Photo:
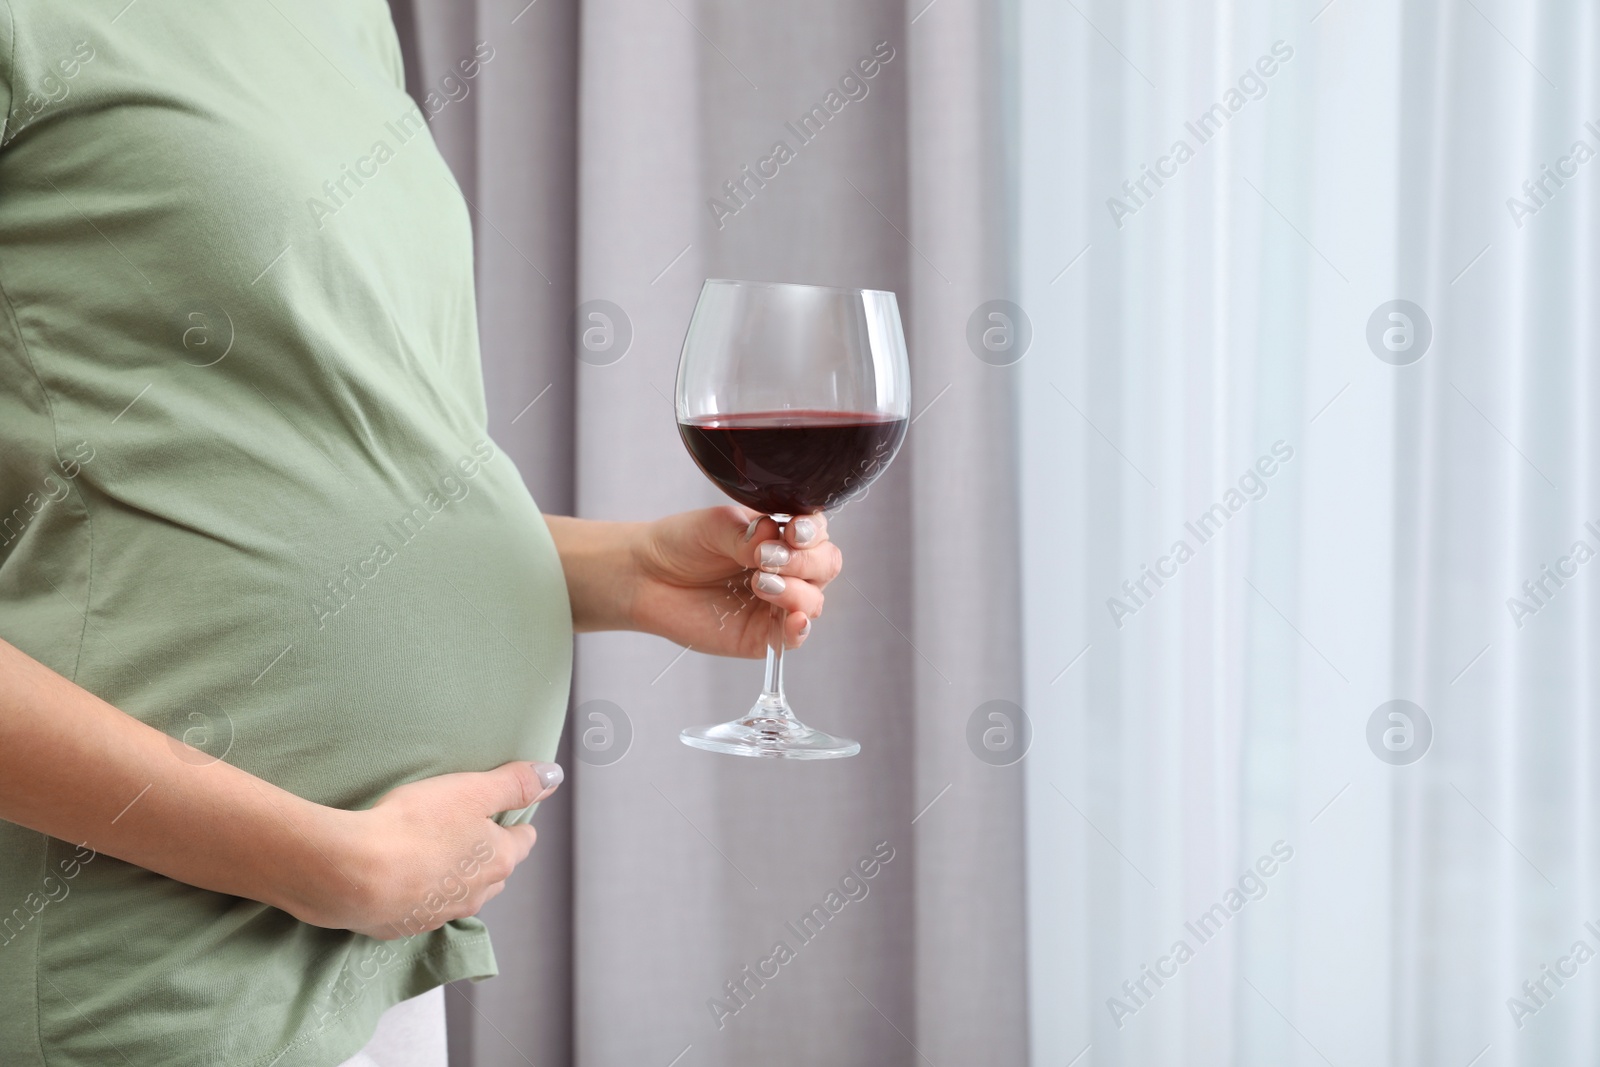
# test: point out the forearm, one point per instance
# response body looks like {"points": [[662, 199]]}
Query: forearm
{"points": [[601, 567], [76, 768]]}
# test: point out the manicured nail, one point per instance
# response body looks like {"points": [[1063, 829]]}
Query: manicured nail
{"points": [[805, 531], [805, 628], [750, 531], [774, 554], [550, 774], [769, 584]]}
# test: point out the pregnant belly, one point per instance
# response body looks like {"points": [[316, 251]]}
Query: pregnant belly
{"points": [[445, 645], [397, 636]]}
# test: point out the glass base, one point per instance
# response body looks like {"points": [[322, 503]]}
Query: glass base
{"points": [[770, 730]]}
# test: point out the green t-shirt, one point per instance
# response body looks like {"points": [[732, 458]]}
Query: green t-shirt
{"points": [[246, 495]]}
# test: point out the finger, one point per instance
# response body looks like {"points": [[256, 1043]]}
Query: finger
{"points": [[742, 534], [509, 848], [513, 786], [807, 531], [819, 565], [517, 842], [756, 527], [489, 894], [796, 628], [790, 594]]}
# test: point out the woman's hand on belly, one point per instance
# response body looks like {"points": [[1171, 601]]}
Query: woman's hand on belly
{"points": [[700, 578], [77, 768], [426, 853]]}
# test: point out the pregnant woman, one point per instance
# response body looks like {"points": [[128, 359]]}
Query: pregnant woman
{"points": [[285, 644]]}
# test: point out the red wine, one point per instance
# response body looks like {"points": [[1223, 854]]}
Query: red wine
{"points": [[793, 462]]}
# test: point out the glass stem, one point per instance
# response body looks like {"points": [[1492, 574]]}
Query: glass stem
{"points": [[772, 697], [772, 690]]}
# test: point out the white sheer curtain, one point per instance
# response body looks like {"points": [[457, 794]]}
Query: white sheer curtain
{"points": [[1187, 724]]}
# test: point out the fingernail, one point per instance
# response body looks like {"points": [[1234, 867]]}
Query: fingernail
{"points": [[774, 554], [550, 774], [769, 584], [750, 531], [805, 628], [805, 531]]}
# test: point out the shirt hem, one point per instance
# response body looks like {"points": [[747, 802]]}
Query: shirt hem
{"points": [[328, 1044]]}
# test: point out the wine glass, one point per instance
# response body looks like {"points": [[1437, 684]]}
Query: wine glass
{"points": [[792, 399]]}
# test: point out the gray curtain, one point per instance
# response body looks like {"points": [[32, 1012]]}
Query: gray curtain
{"points": [[589, 147]]}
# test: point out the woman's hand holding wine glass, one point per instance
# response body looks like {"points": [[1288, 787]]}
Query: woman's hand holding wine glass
{"points": [[704, 575], [695, 578]]}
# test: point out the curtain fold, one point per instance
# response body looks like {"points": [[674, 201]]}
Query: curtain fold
{"points": [[608, 150], [964, 539]]}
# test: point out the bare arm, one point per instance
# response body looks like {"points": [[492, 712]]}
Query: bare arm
{"points": [[76, 768], [598, 560], [701, 578]]}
